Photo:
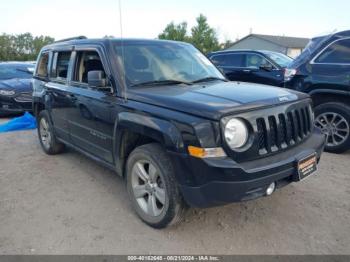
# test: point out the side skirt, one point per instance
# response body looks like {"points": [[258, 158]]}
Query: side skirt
{"points": [[91, 156]]}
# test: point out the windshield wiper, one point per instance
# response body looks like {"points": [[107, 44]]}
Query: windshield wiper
{"points": [[207, 79], [161, 82]]}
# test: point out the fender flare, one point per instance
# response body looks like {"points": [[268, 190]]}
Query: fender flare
{"points": [[160, 130]]}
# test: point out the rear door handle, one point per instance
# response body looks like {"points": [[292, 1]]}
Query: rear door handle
{"points": [[72, 97], [247, 70]]}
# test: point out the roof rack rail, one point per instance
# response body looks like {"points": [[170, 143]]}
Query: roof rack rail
{"points": [[71, 38]]}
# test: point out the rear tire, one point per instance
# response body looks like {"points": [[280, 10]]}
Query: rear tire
{"points": [[152, 187], [47, 138], [334, 121]]}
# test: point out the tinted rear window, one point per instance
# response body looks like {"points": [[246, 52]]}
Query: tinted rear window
{"points": [[234, 60], [338, 53]]}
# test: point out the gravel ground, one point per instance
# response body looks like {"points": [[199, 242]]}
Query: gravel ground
{"points": [[68, 204]]}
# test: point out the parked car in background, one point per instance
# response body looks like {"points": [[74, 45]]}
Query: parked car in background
{"points": [[264, 67], [323, 71], [162, 116], [15, 87]]}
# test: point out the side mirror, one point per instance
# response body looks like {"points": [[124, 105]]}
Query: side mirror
{"points": [[96, 79], [266, 67]]}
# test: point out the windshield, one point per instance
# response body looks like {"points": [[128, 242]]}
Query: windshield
{"points": [[147, 62], [16, 71], [280, 59]]}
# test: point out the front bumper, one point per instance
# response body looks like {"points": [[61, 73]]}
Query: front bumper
{"points": [[221, 181], [8, 106]]}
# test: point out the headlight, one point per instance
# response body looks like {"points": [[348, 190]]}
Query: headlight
{"points": [[236, 133], [7, 92]]}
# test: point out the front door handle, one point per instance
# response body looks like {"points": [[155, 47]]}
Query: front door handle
{"points": [[247, 70]]}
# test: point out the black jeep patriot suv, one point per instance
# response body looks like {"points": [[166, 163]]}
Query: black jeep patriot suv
{"points": [[161, 115]]}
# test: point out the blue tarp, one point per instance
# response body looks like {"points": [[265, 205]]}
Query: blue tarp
{"points": [[25, 122]]}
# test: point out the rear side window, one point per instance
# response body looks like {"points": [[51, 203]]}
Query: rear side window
{"points": [[232, 60], [42, 68], [60, 65], [336, 53], [218, 60]]}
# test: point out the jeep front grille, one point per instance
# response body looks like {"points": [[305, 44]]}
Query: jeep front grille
{"points": [[279, 131]]}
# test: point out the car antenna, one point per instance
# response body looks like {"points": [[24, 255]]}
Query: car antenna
{"points": [[123, 84]]}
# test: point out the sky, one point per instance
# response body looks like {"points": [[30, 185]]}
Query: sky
{"points": [[232, 19]]}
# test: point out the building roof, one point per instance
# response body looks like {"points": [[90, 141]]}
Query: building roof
{"points": [[285, 41]]}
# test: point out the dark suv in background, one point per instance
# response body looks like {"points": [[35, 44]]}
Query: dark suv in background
{"points": [[162, 116], [264, 67], [323, 71]]}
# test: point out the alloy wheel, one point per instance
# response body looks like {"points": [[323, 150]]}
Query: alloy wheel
{"points": [[148, 188], [45, 134], [334, 126]]}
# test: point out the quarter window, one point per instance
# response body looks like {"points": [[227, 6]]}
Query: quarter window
{"points": [[42, 69], [336, 53]]}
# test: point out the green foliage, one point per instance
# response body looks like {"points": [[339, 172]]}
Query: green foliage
{"points": [[202, 35], [22, 47], [227, 44], [175, 32]]}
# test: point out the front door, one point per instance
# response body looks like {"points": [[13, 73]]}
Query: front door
{"points": [[259, 70], [90, 119]]}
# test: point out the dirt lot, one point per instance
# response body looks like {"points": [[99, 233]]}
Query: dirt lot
{"points": [[69, 204]]}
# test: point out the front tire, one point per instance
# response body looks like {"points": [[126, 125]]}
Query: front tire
{"points": [[47, 138], [152, 187], [334, 120]]}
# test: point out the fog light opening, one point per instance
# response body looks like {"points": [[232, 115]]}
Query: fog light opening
{"points": [[271, 188]]}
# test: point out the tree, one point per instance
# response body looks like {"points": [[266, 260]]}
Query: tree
{"points": [[203, 36], [22, 47], [39, 42], [175, 32], [227, 44], [6, 52]]}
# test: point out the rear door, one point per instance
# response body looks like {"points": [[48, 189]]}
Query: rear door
{"points": [[231, 64], [331, 67], [57, 97]]}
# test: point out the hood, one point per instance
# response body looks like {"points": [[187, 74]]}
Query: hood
{"points": [[215, 99], [18, 85]]}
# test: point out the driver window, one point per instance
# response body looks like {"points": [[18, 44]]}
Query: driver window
{"points": [[85, 62], [256, 61]]}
